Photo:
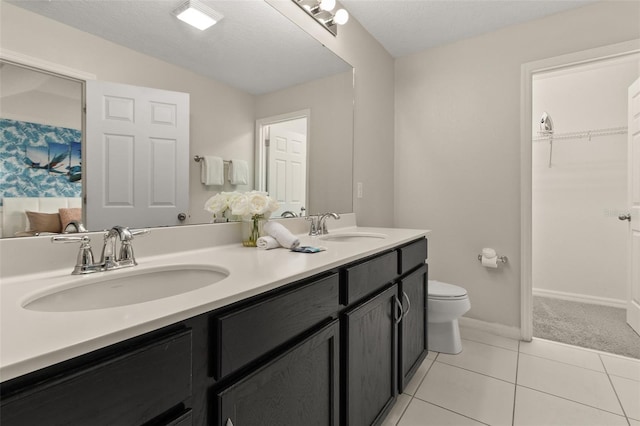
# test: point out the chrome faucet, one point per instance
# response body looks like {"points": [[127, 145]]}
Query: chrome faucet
{"points": [[322, 222], [109, 259], [318, 224]]}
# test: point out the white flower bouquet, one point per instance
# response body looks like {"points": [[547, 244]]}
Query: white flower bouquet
{"points": [[254, 206]]}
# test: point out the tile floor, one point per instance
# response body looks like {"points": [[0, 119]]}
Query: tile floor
{"points": [[500, 381]]}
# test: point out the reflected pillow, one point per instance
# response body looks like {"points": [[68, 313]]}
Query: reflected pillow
{"points": [[73, 214], [44, 222]]}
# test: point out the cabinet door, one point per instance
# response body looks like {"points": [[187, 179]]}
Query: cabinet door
{"points": [[413, 327], [370, 339], [300, 387]]}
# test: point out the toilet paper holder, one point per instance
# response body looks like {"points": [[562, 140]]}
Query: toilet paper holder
{"points": [[502, 259]]}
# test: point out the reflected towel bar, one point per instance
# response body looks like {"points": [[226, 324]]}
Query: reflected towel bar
{"points": [[197, 159]]}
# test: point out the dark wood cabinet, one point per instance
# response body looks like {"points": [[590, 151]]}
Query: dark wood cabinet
{"points": [[370, 351], [300, 387], [128, 389], [412, 291], [333, 349]]}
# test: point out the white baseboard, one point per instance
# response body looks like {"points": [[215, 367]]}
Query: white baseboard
{"points": [[582, 298], [491, 327]]}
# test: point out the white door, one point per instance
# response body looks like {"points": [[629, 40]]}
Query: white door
{"points": [[137, 142], [633, 307], [287, 169]]}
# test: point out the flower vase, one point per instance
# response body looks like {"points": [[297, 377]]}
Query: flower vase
{"points": [[252, 229]]}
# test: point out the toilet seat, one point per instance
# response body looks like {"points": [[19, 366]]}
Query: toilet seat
{"points": [[443, 291]]}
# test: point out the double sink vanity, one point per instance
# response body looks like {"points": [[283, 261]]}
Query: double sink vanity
{"points": [[204, 331]]}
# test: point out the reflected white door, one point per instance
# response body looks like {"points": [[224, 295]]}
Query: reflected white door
{"points": [[137, 142], [287, 169], [633, 307]]}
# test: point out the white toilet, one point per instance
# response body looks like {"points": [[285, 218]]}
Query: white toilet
{"points": [[445, 304]]}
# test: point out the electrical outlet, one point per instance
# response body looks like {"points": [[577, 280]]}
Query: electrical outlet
{"points": [[359, 190]]}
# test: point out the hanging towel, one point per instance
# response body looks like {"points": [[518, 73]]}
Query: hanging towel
{"points": [[212, 170], [284, 237], [239, 172]]}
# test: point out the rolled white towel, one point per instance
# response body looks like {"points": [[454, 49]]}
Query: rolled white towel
{"points": [[285, 238], [267, 243]]}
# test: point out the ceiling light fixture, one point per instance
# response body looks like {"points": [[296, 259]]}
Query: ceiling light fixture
{"points": [[197, 14], [321, 11]]}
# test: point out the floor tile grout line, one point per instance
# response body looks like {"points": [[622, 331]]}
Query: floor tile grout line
{"points": [[563, 362], [451, 411], [412, 396], [476, 372], [515, 389], [604, 365], [489, 344], [573, 400], [614, 390]]}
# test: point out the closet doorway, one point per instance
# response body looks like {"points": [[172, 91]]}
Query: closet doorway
{"points": [[578, 181]]}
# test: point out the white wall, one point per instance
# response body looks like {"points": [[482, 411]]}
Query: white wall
{"points": [[35, 97], [373, 121], [457, 151], [579, 245], [330, 139]]}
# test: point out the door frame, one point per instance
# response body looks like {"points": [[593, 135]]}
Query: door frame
{"points": [[527, 72], [261, 123]]}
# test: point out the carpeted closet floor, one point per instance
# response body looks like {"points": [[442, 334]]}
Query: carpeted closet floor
{"points": [[589, 326]]}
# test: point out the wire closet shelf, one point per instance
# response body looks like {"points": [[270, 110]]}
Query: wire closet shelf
{"points": [[584, 134]]}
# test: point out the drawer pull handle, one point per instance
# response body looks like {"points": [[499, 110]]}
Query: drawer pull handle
{"points": [[404, 295], [399, 305]]}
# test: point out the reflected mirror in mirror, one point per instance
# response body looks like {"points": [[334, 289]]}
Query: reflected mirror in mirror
{"points": [[40, 150], [253, 65]]}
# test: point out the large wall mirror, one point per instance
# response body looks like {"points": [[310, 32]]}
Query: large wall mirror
{"points": [[255, 66]]}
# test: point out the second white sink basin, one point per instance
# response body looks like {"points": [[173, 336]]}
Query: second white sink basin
{"points": [[113, 288], [353, 236]]}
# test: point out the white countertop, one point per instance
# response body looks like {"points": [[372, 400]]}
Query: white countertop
{"points": [[31, 340]]}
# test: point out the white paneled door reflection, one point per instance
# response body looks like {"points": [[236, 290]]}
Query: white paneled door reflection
{"points": [[287, 168], [137, 145]]}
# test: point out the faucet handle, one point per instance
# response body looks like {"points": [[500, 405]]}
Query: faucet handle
{"points": [[84, 262], [126, 249], [313, 227], [139, 232]]}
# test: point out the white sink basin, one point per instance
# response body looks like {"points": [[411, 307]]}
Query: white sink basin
{"points": [[353, 236], [116, 288]]}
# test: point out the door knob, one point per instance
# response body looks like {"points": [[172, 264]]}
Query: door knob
{"points": [[625, 217]]}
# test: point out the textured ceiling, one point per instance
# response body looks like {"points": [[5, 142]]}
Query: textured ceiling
{"points": [[258, 50], [254, 48], [404, 27]]}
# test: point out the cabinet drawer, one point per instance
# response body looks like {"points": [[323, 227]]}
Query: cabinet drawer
{"points": [[412, 255], [250, 332], [128, 389], [367, 277]]}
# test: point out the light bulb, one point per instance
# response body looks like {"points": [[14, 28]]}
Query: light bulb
{"points": [[327, 5], [341, 17]]}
